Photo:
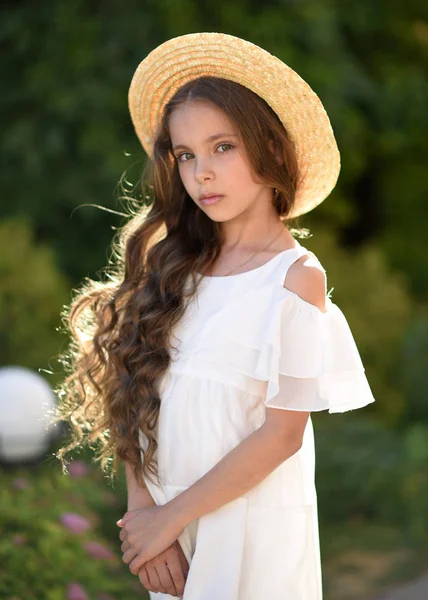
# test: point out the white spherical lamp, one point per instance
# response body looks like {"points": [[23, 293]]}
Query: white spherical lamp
{"points": [[26, 405]]}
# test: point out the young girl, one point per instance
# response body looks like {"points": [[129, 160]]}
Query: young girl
{"points": [[199, 361]]}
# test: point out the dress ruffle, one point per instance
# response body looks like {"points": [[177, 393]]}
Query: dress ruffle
{"points": [[309, 358]]}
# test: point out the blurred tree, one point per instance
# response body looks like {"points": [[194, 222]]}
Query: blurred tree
{"points": [[66, 128], [32, 293]]}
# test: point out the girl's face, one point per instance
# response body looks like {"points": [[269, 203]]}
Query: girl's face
{"points": [[211, 159]]}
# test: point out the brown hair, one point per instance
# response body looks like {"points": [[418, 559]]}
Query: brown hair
{"points": [[121, 328]]}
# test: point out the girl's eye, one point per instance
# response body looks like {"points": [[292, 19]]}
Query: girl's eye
{"points": [[224, 144], [180, 155], [184, 153]]}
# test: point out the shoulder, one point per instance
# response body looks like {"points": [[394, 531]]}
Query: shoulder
{"points": [[307, 278]]}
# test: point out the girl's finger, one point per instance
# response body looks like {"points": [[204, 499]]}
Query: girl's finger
{"points": [[154, 581], [171, 577], [144, 577], [129, 555]]}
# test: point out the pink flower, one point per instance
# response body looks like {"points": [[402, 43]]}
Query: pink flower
{"points": [[20, 483], [19, 539], [78, 468], [74, 523], [98, 551], [76, 592]]}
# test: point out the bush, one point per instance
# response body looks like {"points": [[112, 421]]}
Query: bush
{"points": [[357, 465], [368, 473], [59, 538], [32, 293], [414, 370]]}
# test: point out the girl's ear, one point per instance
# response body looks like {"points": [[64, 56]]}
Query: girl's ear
{"points": [[275, 152]]}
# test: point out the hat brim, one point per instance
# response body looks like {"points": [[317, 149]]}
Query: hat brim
{"points": [[187, 57]]}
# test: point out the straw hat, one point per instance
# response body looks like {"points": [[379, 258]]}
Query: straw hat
{"points": [[187, 57]]}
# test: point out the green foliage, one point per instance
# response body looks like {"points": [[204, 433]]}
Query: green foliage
{"points": [[32, 293], [66, 127], [414, 370], [63, 130], [368, 473], [40, 557], [414, 480]]}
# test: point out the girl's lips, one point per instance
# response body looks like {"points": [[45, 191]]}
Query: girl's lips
{"points": [[211, 200]]}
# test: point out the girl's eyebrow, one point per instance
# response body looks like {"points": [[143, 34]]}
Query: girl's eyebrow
{"points": [[209, 139]]}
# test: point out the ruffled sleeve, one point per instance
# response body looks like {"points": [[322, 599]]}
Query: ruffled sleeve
{"points": [[314, 363], [308, 358]]}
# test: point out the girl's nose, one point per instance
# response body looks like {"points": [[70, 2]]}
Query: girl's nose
{"points": [[203, 170]]}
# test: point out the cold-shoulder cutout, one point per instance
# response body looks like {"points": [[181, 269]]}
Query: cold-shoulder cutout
{"points": [[315, 362], [307, 279]]}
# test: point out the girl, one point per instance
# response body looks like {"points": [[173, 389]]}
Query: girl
{"points": [[199, 361]]}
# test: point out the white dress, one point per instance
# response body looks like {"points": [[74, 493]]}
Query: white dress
{"points": [[246, 343]]}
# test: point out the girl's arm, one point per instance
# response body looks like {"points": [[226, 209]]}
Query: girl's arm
{"points": [[155, 528], [243, 468], [137, 497]]}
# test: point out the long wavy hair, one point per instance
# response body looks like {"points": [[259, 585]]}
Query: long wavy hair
{"points": [[120, 327]]}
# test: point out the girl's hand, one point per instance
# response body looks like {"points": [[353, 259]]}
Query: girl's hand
{"points": [[148, 532], [166, 573]]}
